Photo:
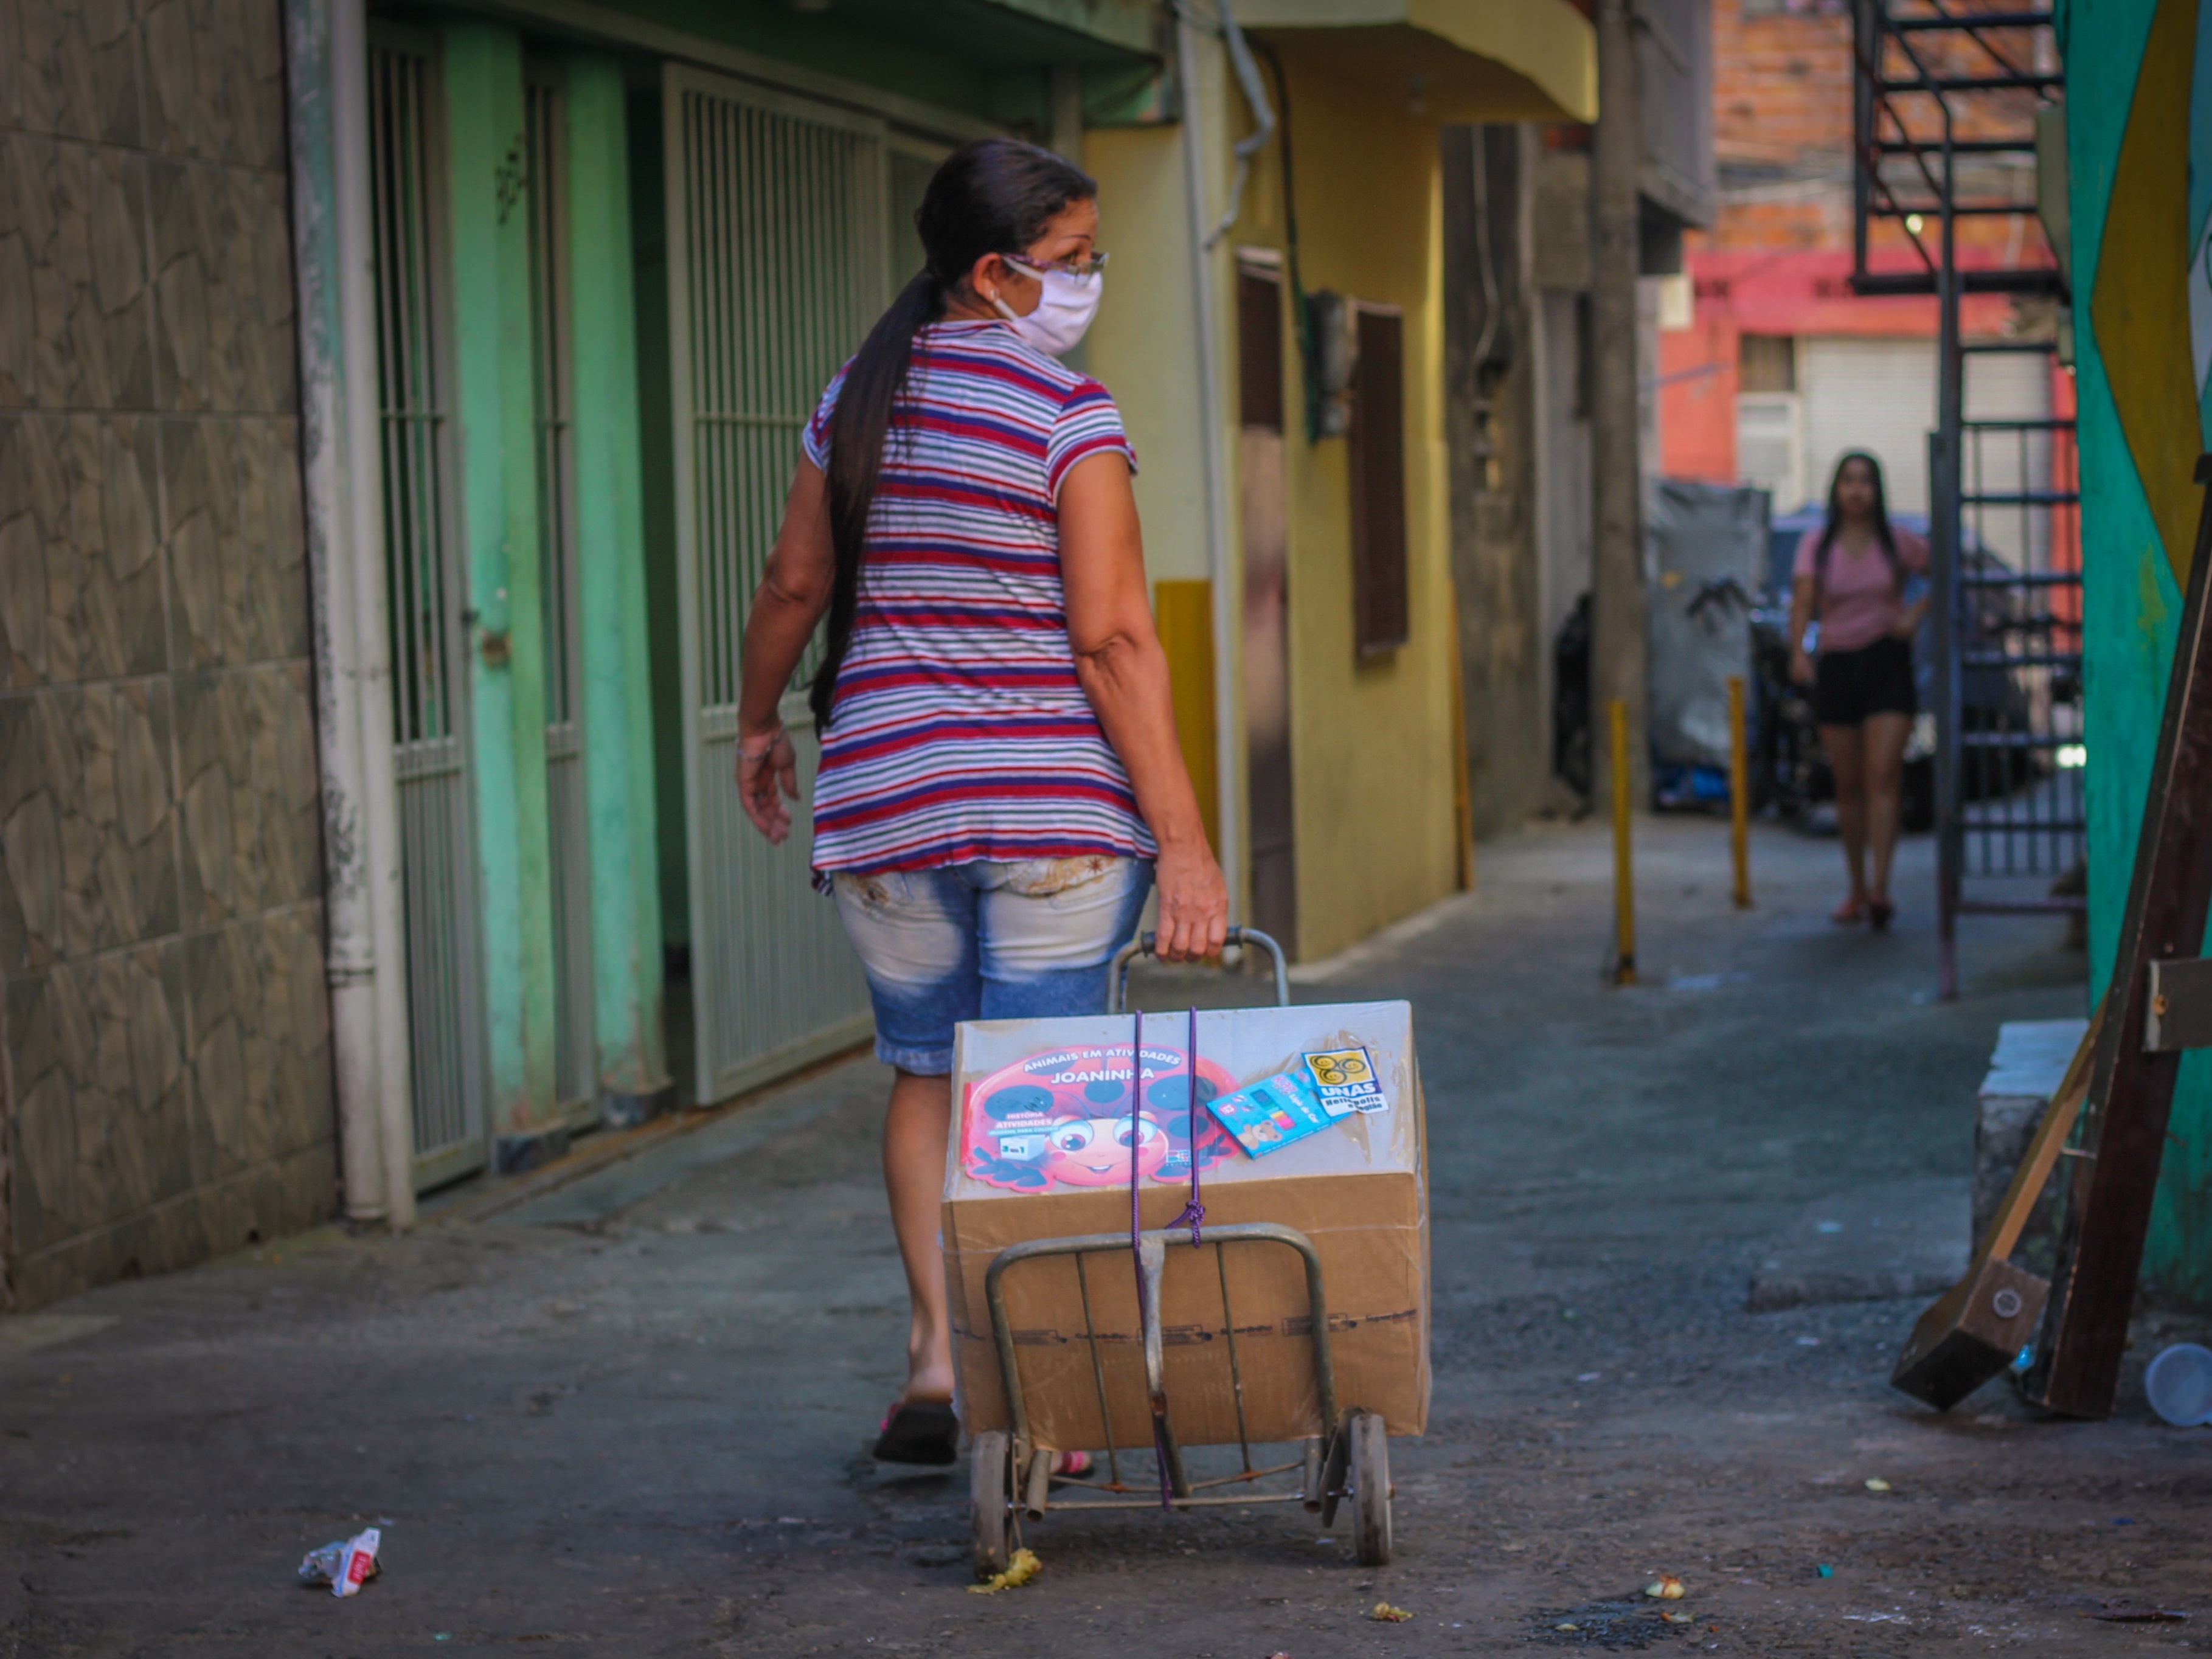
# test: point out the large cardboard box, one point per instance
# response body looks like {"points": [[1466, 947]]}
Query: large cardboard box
{"points": [[1041, 1149]]}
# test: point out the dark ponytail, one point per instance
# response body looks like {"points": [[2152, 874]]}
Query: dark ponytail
{"points": [[994, 196]]}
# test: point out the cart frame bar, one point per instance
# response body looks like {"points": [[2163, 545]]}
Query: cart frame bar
{"points": [[1151, 1260]]}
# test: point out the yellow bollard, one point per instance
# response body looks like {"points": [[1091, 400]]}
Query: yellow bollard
{"points": [[1739, 793], [1624, 877]]}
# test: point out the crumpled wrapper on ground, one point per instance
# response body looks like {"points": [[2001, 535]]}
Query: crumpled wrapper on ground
{"points": [[345, 1564]]}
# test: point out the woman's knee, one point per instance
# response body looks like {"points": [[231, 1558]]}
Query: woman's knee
{"points": [[1883, 757]]}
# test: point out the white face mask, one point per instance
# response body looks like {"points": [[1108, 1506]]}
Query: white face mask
{"points": [[1063, 313]]}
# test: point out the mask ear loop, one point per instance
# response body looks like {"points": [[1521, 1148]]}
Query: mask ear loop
{"points": [[999, 304]]}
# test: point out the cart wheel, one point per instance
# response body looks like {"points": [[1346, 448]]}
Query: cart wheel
{"points": [[990, 1500], [1370, 1489]]}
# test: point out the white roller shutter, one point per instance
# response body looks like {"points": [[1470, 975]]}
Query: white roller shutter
{"points": [[1769, 445], [1875, 395], [1879, 396]]}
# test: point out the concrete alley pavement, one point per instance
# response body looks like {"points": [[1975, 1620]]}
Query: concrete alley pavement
{"points": [[631, 1418]]}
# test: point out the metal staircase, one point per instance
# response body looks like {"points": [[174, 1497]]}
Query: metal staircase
{"points": [[1948, 94]]}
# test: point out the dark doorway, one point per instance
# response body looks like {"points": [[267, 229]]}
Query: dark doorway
{"points": [[1268, 796]]}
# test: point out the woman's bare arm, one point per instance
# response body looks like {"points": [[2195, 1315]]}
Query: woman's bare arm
{"points": [[794, 592], [1124, 674], [1909, 620]]}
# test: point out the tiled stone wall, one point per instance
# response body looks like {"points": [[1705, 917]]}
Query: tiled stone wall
{"points": [[166, 1031]]}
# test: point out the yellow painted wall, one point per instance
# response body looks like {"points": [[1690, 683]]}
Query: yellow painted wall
{"points": [[1372, 745], [1184, 611], [1145, 340], [1144, 348], [1371, 740]]}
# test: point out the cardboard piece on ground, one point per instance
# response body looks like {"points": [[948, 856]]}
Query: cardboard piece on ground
{"points": [[1041, 1150]]}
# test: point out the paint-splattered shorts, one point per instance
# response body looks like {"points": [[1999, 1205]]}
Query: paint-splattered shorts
{"points": [[1025, 940]]}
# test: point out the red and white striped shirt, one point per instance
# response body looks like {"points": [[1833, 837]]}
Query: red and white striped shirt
{"points": [[959, 730]]}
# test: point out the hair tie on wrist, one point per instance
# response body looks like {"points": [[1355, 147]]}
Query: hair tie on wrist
{"points": [[746, 751]]}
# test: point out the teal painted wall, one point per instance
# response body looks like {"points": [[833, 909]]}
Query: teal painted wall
{"points": [[498, 514], [2131, 602], [821, 41], [617, 692]]}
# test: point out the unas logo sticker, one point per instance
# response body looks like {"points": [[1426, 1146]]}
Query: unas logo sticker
{"points": [[1345, 1081]]}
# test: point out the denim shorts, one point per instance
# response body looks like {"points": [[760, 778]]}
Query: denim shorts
{"points": [[1024, 940]]}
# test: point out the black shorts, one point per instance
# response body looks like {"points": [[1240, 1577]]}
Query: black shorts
{"points": [[1874, 679]]}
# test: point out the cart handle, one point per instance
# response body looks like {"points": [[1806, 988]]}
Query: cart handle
{"points": [[1147, 944]]}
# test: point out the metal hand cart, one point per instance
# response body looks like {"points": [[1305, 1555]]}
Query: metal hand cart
{"points": [[1011, 1478]]}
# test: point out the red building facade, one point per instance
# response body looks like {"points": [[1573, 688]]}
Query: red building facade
{"points": [[1781, 365]]}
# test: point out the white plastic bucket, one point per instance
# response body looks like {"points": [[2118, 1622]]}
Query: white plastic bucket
{"points": [[2179, 1384]]}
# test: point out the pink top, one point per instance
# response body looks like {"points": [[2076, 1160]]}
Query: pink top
{"points": [[1859, 598]]}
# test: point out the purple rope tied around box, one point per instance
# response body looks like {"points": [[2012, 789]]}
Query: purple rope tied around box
{"points": [[1136, 1108], [1193, 1212], [1137, 1228]]}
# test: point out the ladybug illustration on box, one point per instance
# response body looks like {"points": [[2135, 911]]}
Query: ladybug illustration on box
{"points": [[1066, 1118]]}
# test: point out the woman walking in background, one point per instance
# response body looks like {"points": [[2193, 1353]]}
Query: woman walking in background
{"points": [[1001, 785], [1850, 577]]}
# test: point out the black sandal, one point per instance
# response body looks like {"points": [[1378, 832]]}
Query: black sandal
{"points": [[919, 1431]]}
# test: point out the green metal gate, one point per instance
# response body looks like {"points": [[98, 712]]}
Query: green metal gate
{"points": [[425, 591], [913, 164], [575, 1056], [777, 269]]}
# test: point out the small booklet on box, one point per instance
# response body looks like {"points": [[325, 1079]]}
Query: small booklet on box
{"points": [[1325, 1088], [1268, 1115]]}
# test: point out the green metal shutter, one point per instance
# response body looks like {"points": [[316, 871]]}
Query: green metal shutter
{"points": [[777, 265], [913, 164], [576, 1055], [425, 589]]}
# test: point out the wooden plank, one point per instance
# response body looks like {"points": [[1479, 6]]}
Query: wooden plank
{"points": [[2085, 1324], [1973, 1331]]}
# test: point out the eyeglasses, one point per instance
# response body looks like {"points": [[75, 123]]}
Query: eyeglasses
{"points": [[1076, 268]]}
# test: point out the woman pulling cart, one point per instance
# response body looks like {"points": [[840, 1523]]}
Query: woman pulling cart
{"points": [[1000, 785]]}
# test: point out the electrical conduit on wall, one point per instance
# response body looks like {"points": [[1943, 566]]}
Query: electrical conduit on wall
{"points": [[1212, 416]]}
